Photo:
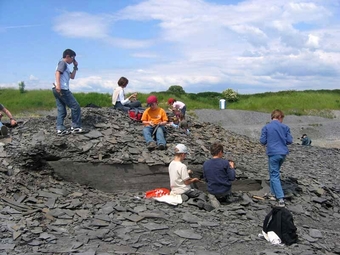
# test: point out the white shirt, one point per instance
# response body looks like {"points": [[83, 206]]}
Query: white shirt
{"points": [[178, 173]]}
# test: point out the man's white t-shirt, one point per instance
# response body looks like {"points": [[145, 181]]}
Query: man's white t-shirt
{"points": [[178, 173]]}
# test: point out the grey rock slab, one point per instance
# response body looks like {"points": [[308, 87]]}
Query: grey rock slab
{"points": [[93, 134], [188, 234], [309, 238], [154, 226], [315, 233], [99, 223]]}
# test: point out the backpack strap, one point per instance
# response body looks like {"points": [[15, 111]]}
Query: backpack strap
{"points": [[266, 220]]}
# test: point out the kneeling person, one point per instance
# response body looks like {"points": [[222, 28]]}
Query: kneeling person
{"points": [[219, 174]]}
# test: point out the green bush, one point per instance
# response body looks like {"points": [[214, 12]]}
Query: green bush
{"points": [[176, 89], [22, 87], [230, 95]]}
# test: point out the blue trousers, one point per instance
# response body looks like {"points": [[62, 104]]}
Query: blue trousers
{"points": [[274, 163], [63, 99], [160, 134]]}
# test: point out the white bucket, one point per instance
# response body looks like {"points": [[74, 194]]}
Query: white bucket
{"points": [[222, 104]]}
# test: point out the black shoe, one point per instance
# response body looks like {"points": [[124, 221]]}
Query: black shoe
{"points": [[151, 145], [161, 147], [4, 131]]}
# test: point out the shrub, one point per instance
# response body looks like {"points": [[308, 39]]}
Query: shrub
{"points": [[230, 95], [176, 89], [21, 87]]}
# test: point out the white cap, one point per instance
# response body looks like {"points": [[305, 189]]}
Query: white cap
{"points": [[181, 148]]}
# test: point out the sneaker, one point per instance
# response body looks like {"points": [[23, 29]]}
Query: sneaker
{"points": [[151, 145], [63, 132], [270, 196], [281, 203], [76, 130], [161, 147], [4, 131]]}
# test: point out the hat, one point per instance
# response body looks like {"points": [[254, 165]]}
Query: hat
{"points": [[181, 148], [171, 101], [151, 99]]}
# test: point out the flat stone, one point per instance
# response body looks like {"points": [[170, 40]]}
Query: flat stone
{"points": [[315, 233], [188, 234], [154, 226]]}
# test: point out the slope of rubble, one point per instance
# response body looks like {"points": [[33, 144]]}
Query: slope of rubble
{"points": [[44, 212]]}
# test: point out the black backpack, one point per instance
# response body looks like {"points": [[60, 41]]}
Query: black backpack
{"points": [[280, 220]]}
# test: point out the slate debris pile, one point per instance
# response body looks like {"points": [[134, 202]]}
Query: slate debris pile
{"points": [[42, 214]]}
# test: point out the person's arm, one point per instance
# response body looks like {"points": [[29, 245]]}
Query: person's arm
{"points": [[289, 137], [191, 180], [75, 69], [164, 118], [10, 116], [263, 138], [57, 81], [231, 171]]}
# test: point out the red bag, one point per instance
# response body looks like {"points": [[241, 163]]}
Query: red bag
{"points": [[157, 192], [135, 116]]}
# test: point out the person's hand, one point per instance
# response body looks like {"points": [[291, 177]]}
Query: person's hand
{"points": [[75, 63], [231, 164], [190, 171], [195, 180], [13, 122]]}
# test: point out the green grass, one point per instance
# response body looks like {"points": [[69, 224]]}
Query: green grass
{"points": [[308, 102]]}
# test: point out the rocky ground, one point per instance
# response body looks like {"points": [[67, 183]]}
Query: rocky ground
{"points": [[41, 213]]}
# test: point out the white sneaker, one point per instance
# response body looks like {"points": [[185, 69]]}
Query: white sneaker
{"points": [[76, 130], [63, 132]]}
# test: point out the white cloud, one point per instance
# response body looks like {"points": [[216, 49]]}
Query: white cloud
{"points": [[33, 78], [79, 24]]}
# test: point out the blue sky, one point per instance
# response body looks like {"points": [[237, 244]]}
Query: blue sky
{"points": [[251, 46]]}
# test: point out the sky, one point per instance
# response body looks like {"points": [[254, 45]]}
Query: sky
{"points": [[250, 46]]}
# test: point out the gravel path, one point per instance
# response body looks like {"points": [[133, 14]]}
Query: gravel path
{"points": [[324, 132]]}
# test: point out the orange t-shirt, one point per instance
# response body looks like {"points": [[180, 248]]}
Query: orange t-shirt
{"points": [[156, 116]]}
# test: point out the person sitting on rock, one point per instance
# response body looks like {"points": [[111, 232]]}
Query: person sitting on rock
{"points": [[176, 106], [180, 181], [118, 97], [305, 140], [3, 129], [218, 174], [154, 120]]}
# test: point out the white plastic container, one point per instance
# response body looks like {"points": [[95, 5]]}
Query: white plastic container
{"points": [[222, 104]]}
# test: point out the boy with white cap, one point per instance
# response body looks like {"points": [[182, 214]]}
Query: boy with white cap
{"points": [[180, 180]]}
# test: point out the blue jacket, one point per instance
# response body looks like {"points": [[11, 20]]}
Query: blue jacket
{"points": [[276, 136], [218, 175]]}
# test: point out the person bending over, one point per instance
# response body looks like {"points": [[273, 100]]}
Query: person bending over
{"points": [[177, 105], [13, 122]]}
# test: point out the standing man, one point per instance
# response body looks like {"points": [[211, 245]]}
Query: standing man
{"points": [[276, 136], [63, 95], [3, 129], [219, 174]]}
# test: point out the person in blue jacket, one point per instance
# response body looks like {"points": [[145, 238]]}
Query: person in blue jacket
{"points": [[219, 174], [276, 136]]}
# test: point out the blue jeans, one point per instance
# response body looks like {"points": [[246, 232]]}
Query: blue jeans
{"points": [[274, 163], [160, 134], [63, 99]]}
